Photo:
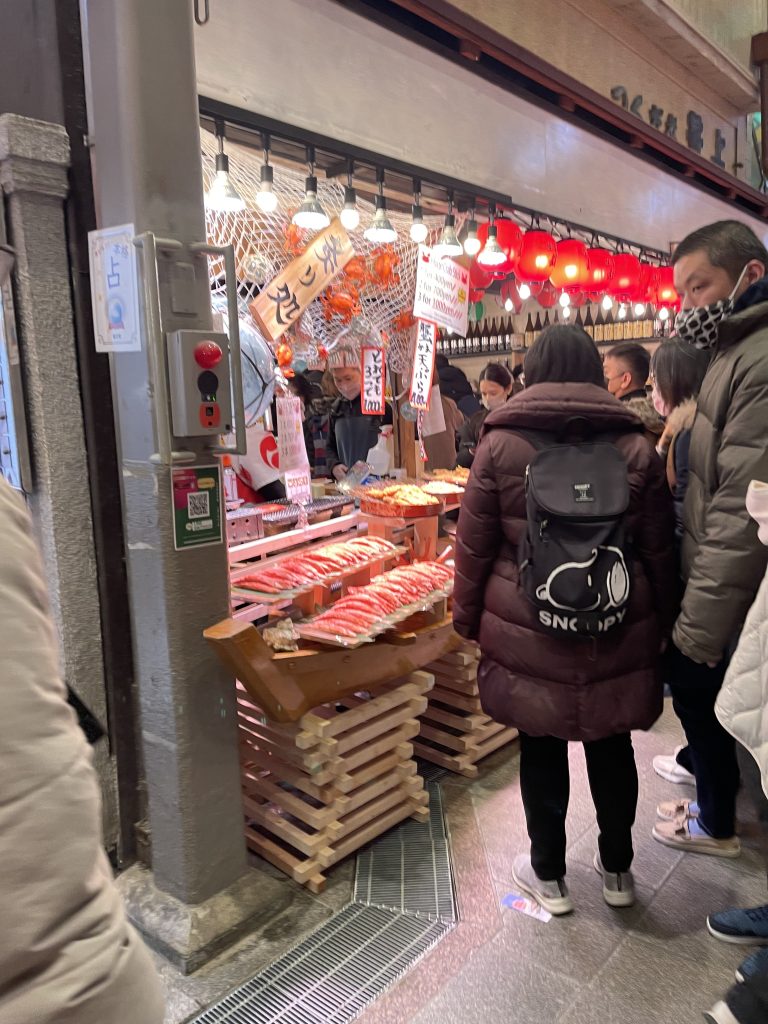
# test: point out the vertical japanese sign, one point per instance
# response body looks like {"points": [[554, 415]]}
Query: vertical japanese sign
{"points": [[423, 365], [373, 373], [294, 463], [283, 300], [114, 289], [196, 506], [442, 292]]}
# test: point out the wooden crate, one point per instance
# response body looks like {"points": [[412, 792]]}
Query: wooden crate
{"points": [[455, 733], [316, 790]]}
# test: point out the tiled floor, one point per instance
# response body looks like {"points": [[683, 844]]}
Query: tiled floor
{"points": [[652, 964]]}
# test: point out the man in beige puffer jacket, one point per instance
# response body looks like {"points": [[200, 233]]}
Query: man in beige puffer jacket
{"points": [[67, 952]]}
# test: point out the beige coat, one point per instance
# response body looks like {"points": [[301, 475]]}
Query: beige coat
{"points": [[67, 952]]}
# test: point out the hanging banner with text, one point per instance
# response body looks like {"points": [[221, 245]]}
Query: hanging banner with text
{"points": [[281, 302], [442, 291], [292, 450], [423, 365], [373, 369]]}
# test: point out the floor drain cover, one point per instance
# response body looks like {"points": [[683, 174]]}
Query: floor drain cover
{"points": [[409, 868], [335, 973]]}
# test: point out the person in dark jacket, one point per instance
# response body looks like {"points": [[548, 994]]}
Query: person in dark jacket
{"points": [[454, 385], [626, 370], [351, 433], [593, 690], [496, 385]]}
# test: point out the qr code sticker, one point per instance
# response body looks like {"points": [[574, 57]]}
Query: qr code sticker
{"points": [[199, 505]]}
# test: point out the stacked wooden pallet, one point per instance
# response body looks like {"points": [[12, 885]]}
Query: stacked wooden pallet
{"points": [[317, 790], [455, 732]]}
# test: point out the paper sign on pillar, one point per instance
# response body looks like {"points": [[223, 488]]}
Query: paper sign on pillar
{"points": [[294, 463]]}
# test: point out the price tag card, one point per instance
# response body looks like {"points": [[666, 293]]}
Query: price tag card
{"points": [[373, 370], [423, 365], [298, 485]]}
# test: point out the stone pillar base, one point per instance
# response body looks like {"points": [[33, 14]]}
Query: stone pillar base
{"points": [[189, 935]]}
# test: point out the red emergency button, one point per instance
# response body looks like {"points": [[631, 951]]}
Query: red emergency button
{"points": [[208, 354]]}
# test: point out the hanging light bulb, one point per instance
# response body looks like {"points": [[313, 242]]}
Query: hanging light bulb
{"points": [[449, 244], [350, 215], [509, 305], [222, 195], [622, 311], [419, 229], [524, 291], [607, 302], [310, 215], [380, 230], [565, 300], [266, 200], [566, 312], [472, 244], [492, 255], [639, 308], [663, 313]]}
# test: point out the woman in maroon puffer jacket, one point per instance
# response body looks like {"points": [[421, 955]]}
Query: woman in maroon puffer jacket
{"points": [[594, 690]]}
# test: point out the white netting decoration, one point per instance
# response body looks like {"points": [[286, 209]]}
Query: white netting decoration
{"points": [[377, 287]]}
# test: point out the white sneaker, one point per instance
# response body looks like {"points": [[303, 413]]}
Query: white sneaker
{"points": [[720, 1014], [553, 896], [668, 768], [618, 889]]}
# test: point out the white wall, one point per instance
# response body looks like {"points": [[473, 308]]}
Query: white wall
{"points": [[314, 64]]}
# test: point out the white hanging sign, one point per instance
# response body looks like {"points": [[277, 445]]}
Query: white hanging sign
{"points": [[373, 370], [423, 365], [442, 291], [114, 289], [290, 435]]}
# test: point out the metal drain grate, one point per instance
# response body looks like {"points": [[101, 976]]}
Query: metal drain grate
{"points": [[409, 868], [334, 974]]}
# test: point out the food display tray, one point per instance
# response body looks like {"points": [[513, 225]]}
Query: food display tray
{"points": [[374, 507], [272, 597], [308, 632]]}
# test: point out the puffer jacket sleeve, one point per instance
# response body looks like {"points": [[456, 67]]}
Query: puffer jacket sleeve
{"points": [[742, 704], [726, 572], [654, 543], [478, 540]]}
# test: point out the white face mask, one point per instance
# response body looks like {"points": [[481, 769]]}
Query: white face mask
{"points": [[757, 506], [494, 403], [699, 325], [659, 404]]}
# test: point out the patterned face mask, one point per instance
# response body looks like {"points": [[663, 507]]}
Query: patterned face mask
{"points": [[699, 326]]}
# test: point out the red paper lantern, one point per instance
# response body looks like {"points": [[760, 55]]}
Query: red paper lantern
{"points": [[666, 293], [626, 276], [549, 296], [479, 277], [476, 294], [600, 263], [577, 298], [649, 283], [538, 254], [510, 238], [570, 269], [509, 293]]}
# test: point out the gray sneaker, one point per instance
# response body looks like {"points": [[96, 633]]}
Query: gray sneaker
{"points": [[553, 896], [618, 889]]}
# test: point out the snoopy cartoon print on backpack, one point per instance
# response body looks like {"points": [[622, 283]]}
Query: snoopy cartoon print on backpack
{"points": [[575, 564]]}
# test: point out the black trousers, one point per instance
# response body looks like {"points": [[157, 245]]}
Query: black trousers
{"points": [[711, 750], [545, 785]]}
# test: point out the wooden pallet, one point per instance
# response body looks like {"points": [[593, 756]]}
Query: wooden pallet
{"points": [[455, 732], [316, 790]]}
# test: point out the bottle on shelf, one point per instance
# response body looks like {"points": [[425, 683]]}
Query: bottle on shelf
{"points": [[537, 327], [599, 327], [493, 337], [528, 336], [637, 326], [579, 320], [608, 328], [589, 324], [556, 319]]}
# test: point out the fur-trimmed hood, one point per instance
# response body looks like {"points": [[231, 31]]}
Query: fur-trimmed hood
{"points": [[682, 417]]}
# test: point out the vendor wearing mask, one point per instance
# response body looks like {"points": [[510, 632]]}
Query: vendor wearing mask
{"points": [[351, 434], [495, 388]]}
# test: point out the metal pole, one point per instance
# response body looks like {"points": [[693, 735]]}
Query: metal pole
{"points": [[143, 127]]}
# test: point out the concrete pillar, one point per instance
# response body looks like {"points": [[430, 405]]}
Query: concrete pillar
{"points": [[142, 103], [34, 157]]}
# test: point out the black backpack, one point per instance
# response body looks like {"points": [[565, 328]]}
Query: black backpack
{"points": [[574, 559]]}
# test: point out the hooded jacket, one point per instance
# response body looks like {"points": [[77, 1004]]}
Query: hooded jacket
{"points": [[574, 688], [742, 704], [67, 952], [454, 385], [723, 561]]}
